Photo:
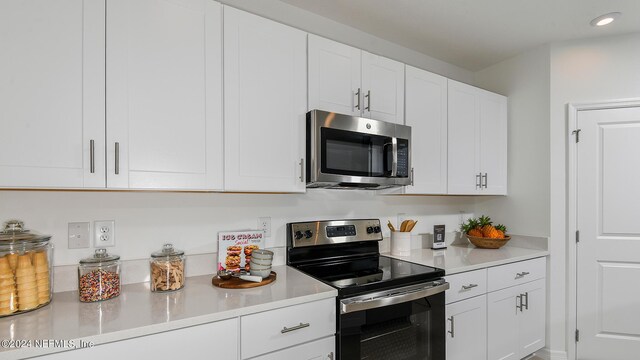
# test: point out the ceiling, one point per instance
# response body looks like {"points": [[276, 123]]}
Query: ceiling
{"points": [[474, 34]]}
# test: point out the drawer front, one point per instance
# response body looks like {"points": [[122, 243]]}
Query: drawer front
{"points": [[318, 350], [466, 285], [277, 329], [504, 276]]}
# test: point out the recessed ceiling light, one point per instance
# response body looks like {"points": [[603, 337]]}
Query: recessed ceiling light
{"points": [[605, 19]]}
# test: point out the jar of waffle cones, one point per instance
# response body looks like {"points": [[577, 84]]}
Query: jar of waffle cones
{"points": [[26, 274], [99, 277], [167, 269]]}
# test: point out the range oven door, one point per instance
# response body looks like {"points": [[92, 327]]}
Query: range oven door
{"points": [[399, 324]]}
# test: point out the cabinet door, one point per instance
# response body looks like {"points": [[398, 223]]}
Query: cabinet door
{"points": [[265, 104], [493, 142], [502, 324], [189, 343], [533, 317], [164, 107], [426, 113], [52, 93], [334, 77], [464, 147], [467, 329], [383, 88], [316, 350]]}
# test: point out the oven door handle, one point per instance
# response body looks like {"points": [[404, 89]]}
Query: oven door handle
{"points": [[381, 301]]}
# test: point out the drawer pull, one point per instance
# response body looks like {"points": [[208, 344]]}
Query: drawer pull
{"points": [[470, 286], [522, 274], [297, 327]]}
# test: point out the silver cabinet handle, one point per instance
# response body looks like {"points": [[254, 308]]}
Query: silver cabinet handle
{"points": [[301, 170], [521, 274], [92, 156], [525, 303], [368, 96], [479, 180], [358, 99], [293, 328], [117, 170], [519, 302], [411, 176], [484, 183], [452, 331], [470, 286]]}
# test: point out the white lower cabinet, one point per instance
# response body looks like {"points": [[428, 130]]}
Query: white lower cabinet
{"points": [[466, 329], [218, 340], [316, 350]]}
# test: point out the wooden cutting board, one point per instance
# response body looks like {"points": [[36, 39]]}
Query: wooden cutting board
{"points": [[236, 283]]}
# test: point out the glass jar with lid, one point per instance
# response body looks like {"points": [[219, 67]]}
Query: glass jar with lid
{"points": [[99, 277], [167, 269], [26, 274]]}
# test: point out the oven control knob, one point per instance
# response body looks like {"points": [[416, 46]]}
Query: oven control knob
{"points": [[308, 234], [377, 229], [298, 235], [369, 229]]}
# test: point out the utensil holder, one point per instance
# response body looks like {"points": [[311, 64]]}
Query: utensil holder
{"points": [[400, 243]]}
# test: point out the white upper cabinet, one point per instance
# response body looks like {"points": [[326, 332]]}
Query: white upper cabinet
{"points": [[265, 104], [334, 77], [426, 113], [164, 94], [347, 80], [477, 141], [52, 94]]}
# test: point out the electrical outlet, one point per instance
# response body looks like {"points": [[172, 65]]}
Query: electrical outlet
{"points": [[264, 223], [79, 237], [104, 233]]}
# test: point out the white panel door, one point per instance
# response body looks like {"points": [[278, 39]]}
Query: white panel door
{"points": [[503, 324], [467, 329], [323, 349], [608, 255], [334, 77], [532, 317], [463, 140], [195, 343], [493, 142], [164, 94], [265, 104], [426, 113], [383, 88], [52, 93]]}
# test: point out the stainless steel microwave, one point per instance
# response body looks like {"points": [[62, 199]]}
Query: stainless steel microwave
{"points": [[348, 152]]}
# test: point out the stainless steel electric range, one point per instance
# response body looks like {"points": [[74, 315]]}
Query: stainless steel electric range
{"points": [[387, 308]]}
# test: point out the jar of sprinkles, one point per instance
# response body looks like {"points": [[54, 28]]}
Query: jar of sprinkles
{"points": [[99, 277]]}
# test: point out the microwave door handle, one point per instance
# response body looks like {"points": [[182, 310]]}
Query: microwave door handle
{"points": [[394, 161]]}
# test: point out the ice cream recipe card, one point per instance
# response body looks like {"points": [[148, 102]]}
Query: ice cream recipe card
{"points": [[235, 247]]}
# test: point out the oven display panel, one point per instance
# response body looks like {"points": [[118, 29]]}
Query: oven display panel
{"points": [[344, 230]]}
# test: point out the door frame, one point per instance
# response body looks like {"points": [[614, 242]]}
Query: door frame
{"points": [[572, 204]]}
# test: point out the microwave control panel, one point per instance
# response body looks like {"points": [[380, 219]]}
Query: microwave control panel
{"points": [[403, 158]]}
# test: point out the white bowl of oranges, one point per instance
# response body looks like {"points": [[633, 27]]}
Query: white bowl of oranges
{"points": [[483, 234]]}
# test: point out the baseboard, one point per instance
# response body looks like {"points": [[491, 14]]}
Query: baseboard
{"points": [[547, 354]]}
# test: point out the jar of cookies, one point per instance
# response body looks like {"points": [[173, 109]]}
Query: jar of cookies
{"points": [[99, 277], [26, 274], [167, 269]]}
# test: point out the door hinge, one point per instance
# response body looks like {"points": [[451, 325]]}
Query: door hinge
{"points": [[577, 335], [577, 236], [577, 134]]}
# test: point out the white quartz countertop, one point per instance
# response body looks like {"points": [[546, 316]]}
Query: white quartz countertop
{"points": [[460, 258], [138, 311]]}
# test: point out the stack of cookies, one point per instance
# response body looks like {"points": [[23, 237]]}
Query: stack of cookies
{"points": [[27, 284], [41, 265], [8, 296]]}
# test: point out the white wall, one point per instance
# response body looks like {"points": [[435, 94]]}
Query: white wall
{"points": [[146, 220], [316, 24], [592, 70], [525, 80]]}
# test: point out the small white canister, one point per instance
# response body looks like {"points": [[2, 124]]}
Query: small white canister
{"points": [[400, 243]]}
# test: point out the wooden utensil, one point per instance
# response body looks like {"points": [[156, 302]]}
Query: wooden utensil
{"points": [[390, 225], [403, 226], [412, 225]]}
